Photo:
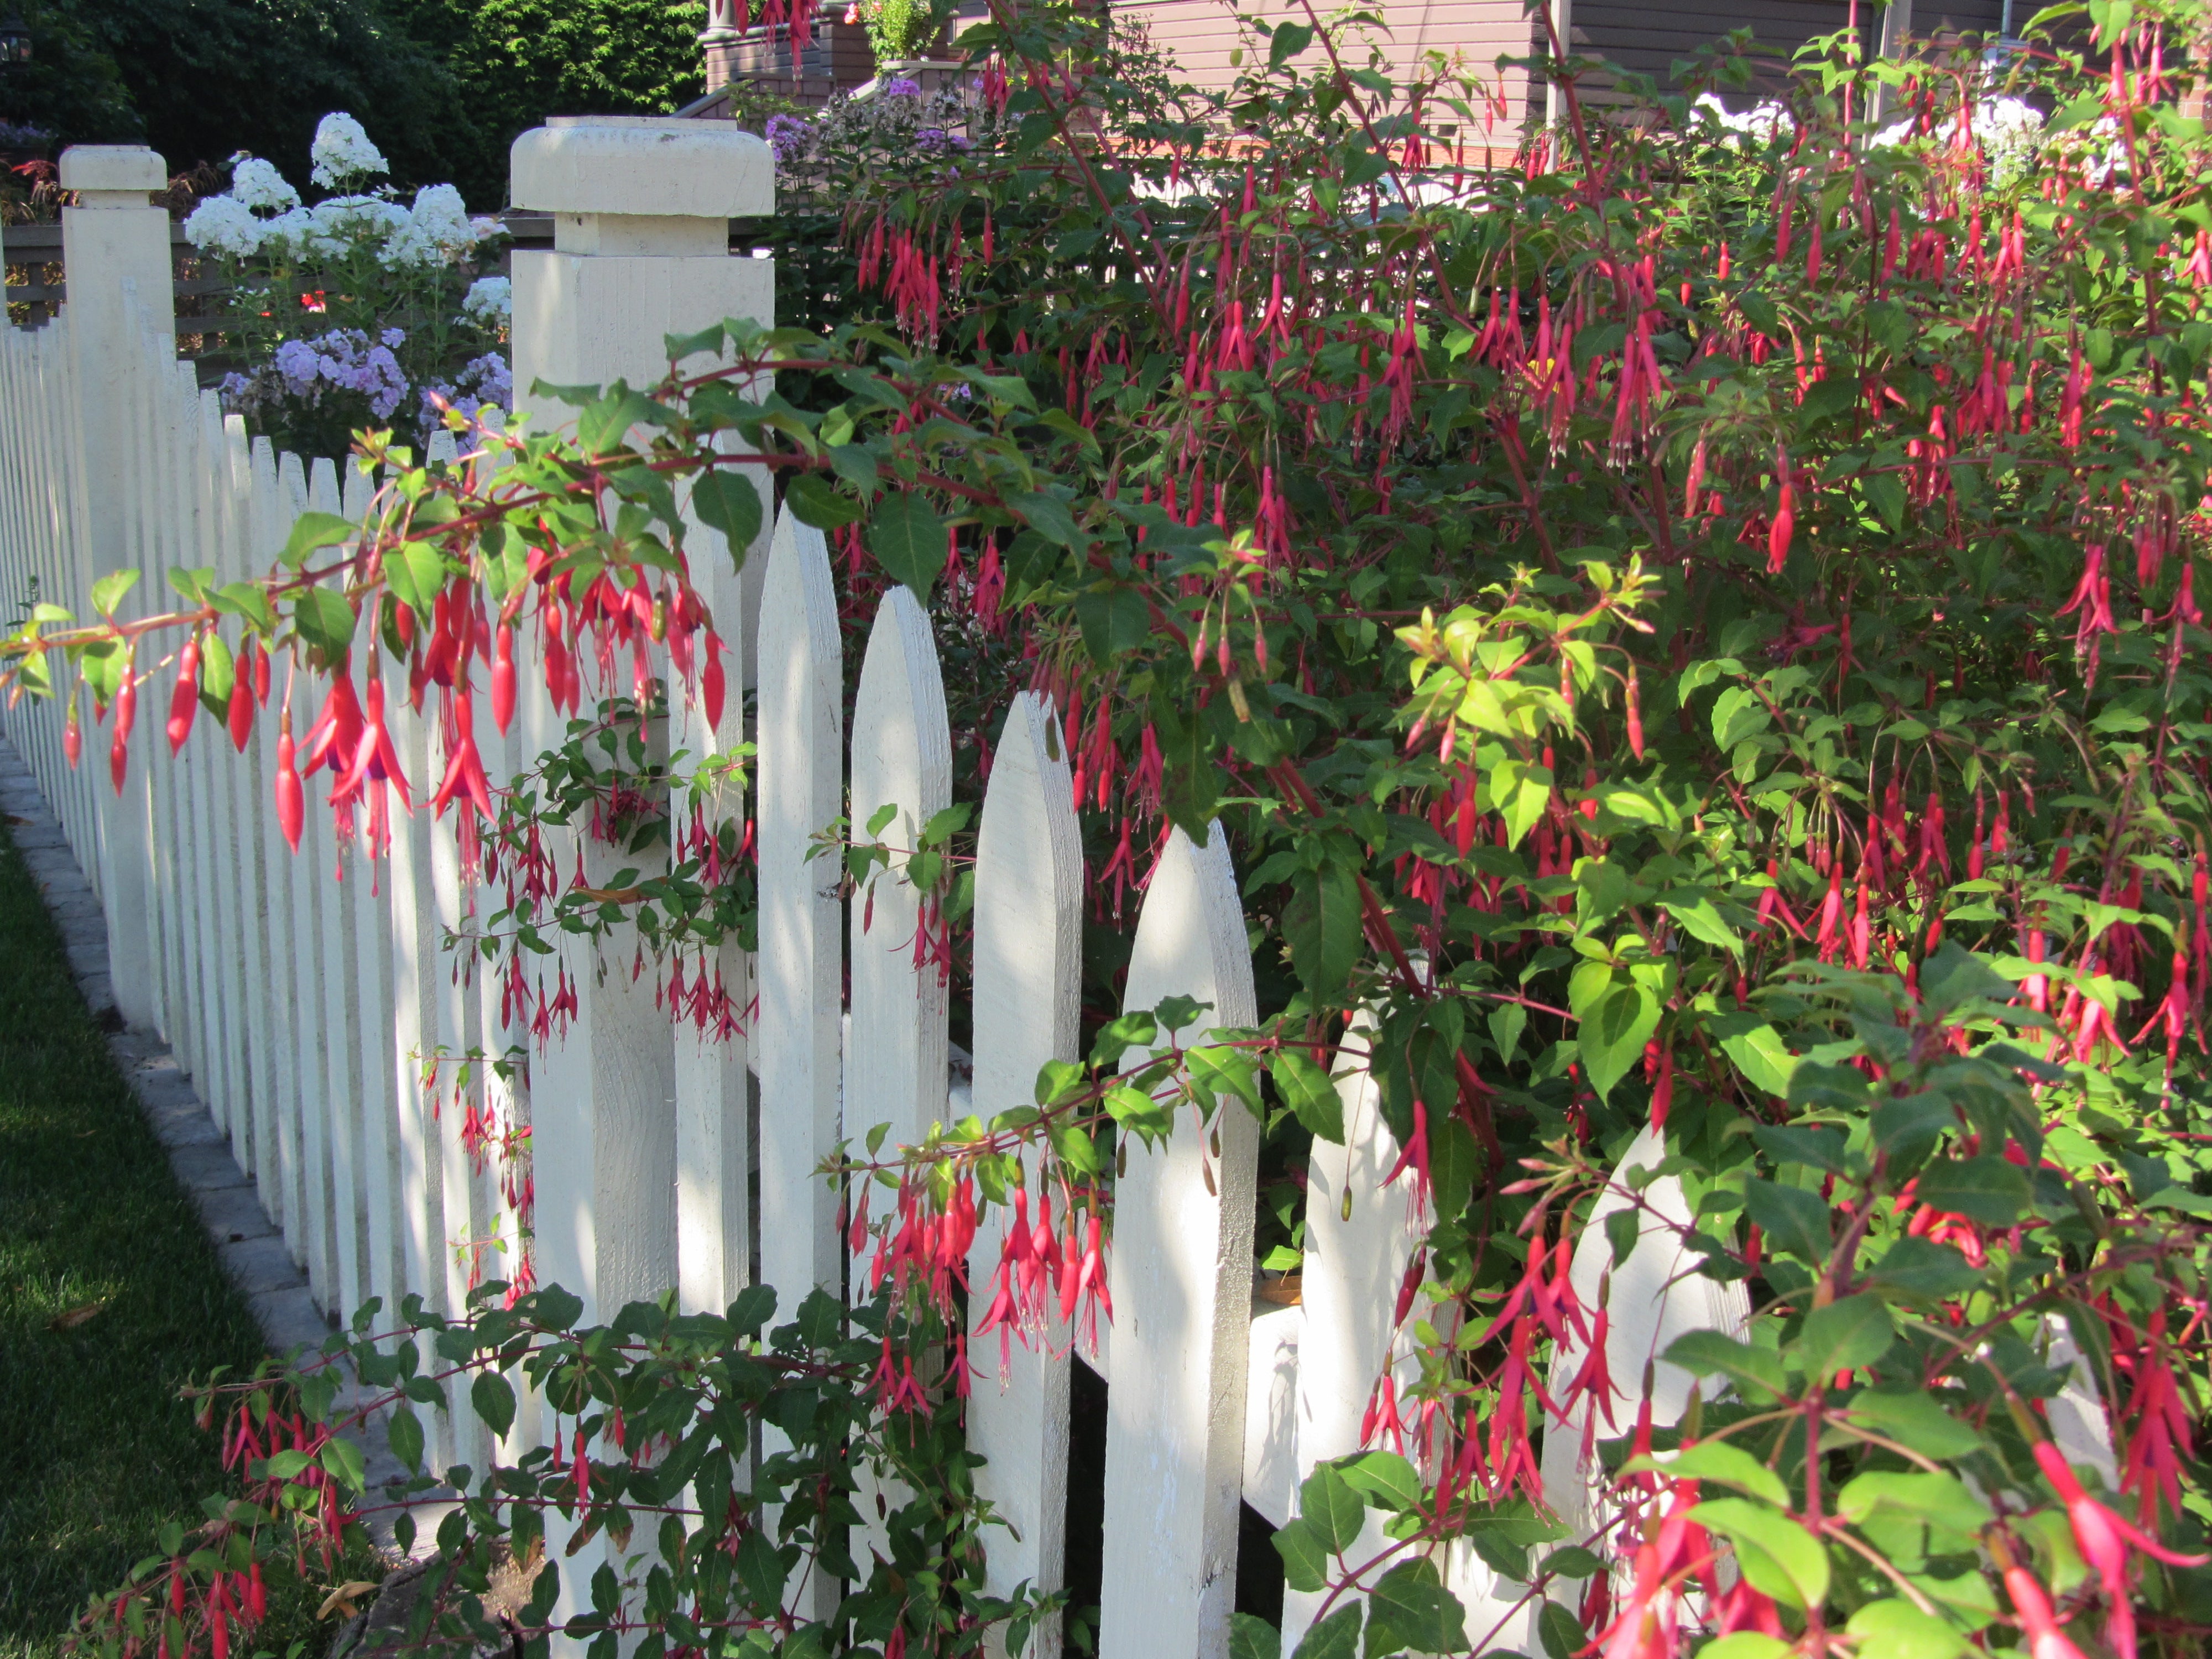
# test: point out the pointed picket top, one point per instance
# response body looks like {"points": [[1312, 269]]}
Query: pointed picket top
{"points": [[800, 792], [1349, 1280], [2079, 1423], [896, 1059], [1181, 1273], [1656, 1295], [1028, 1010]]}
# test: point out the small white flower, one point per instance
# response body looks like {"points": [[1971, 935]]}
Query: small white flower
{"points": [[342, 153], [490, 302], [224, 225], [258, 184]]}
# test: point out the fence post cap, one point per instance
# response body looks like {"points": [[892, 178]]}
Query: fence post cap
{"points": [[643, 166], [104, 167]]}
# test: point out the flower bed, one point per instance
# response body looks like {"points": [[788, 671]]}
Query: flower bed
{"points": [[360, 309]]}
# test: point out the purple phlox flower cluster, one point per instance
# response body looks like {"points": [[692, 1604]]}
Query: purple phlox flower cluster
{"points": [[484, 382], [934, 140], [787, 135], [901, 85], [344, 359]]}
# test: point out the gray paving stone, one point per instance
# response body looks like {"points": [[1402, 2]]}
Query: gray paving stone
{"points": [[259, 1265], [233, 1214], [206, 1168]]}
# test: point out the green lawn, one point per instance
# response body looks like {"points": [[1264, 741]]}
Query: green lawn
{"points": [[95, 1448]]}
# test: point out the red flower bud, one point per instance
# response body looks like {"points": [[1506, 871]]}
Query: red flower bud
{"points": [[184, 702], [291, 798], [240, 712], [127, 713], [502, 679]]}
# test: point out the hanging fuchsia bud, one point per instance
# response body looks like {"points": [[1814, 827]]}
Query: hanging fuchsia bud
{"points": [[1635, 716], [126, 713], [185, 701], [1785, 517], [502, 679], [291, 798], [72, 737], [239, 717]]}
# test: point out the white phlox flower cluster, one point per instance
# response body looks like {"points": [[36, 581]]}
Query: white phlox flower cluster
{"points": [[1761, 121], [225, 226], [258, 184], [2009, 132], [342, 154], [489, 302]]}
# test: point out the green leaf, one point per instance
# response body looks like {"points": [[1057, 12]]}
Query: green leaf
{"points": [[1305, 1555], [1705, 1353], [725, 500], [1895, 1629], [1410, 1609], [324, 619], [813, 499], [1756, 1049], [1336, 1637], [1557, 1630], [908, 538], [1611, 1039], [108, 592], [602, 428], [1792, 1218], [493, 1398], [342, 1458], [1520, 793], [1939, 1499], [1322, 925], [218, 673], [1913, 1417], [405, 1436], [1310, 1093], [1921, 1270], [1249, 1638], [1986, 1189], [1327, 1502], [1048, 516], [1114, 621], [1717, 1460], [1779, 1557], [1384, 1479], [1885, 493], [1845, 1335], [1287, 42], [1744, 1644], [314, 530], [1822, 1148], [1701, 920]]}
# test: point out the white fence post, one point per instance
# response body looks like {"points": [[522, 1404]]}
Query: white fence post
{"points": [[117, 246], [1182, 1280], [1028, 1010], [641, 250]]}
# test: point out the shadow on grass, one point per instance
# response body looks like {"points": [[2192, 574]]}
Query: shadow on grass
{"points": [[110, 1300]]}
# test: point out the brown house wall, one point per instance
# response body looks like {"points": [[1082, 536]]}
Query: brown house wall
{"points": [[1651, 36]]}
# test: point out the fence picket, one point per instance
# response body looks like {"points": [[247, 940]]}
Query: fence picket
{"points": [[1028, 989], [801, 792], [1360, 1235], [896, 1055], [714, 1114], [1654, 1296], [1182, 1279]]}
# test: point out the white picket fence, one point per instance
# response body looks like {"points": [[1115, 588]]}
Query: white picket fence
{"points": [[304, 993]]}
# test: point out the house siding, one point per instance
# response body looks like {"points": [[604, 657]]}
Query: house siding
{"points": [[1650, 39], [1197, 37]]}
